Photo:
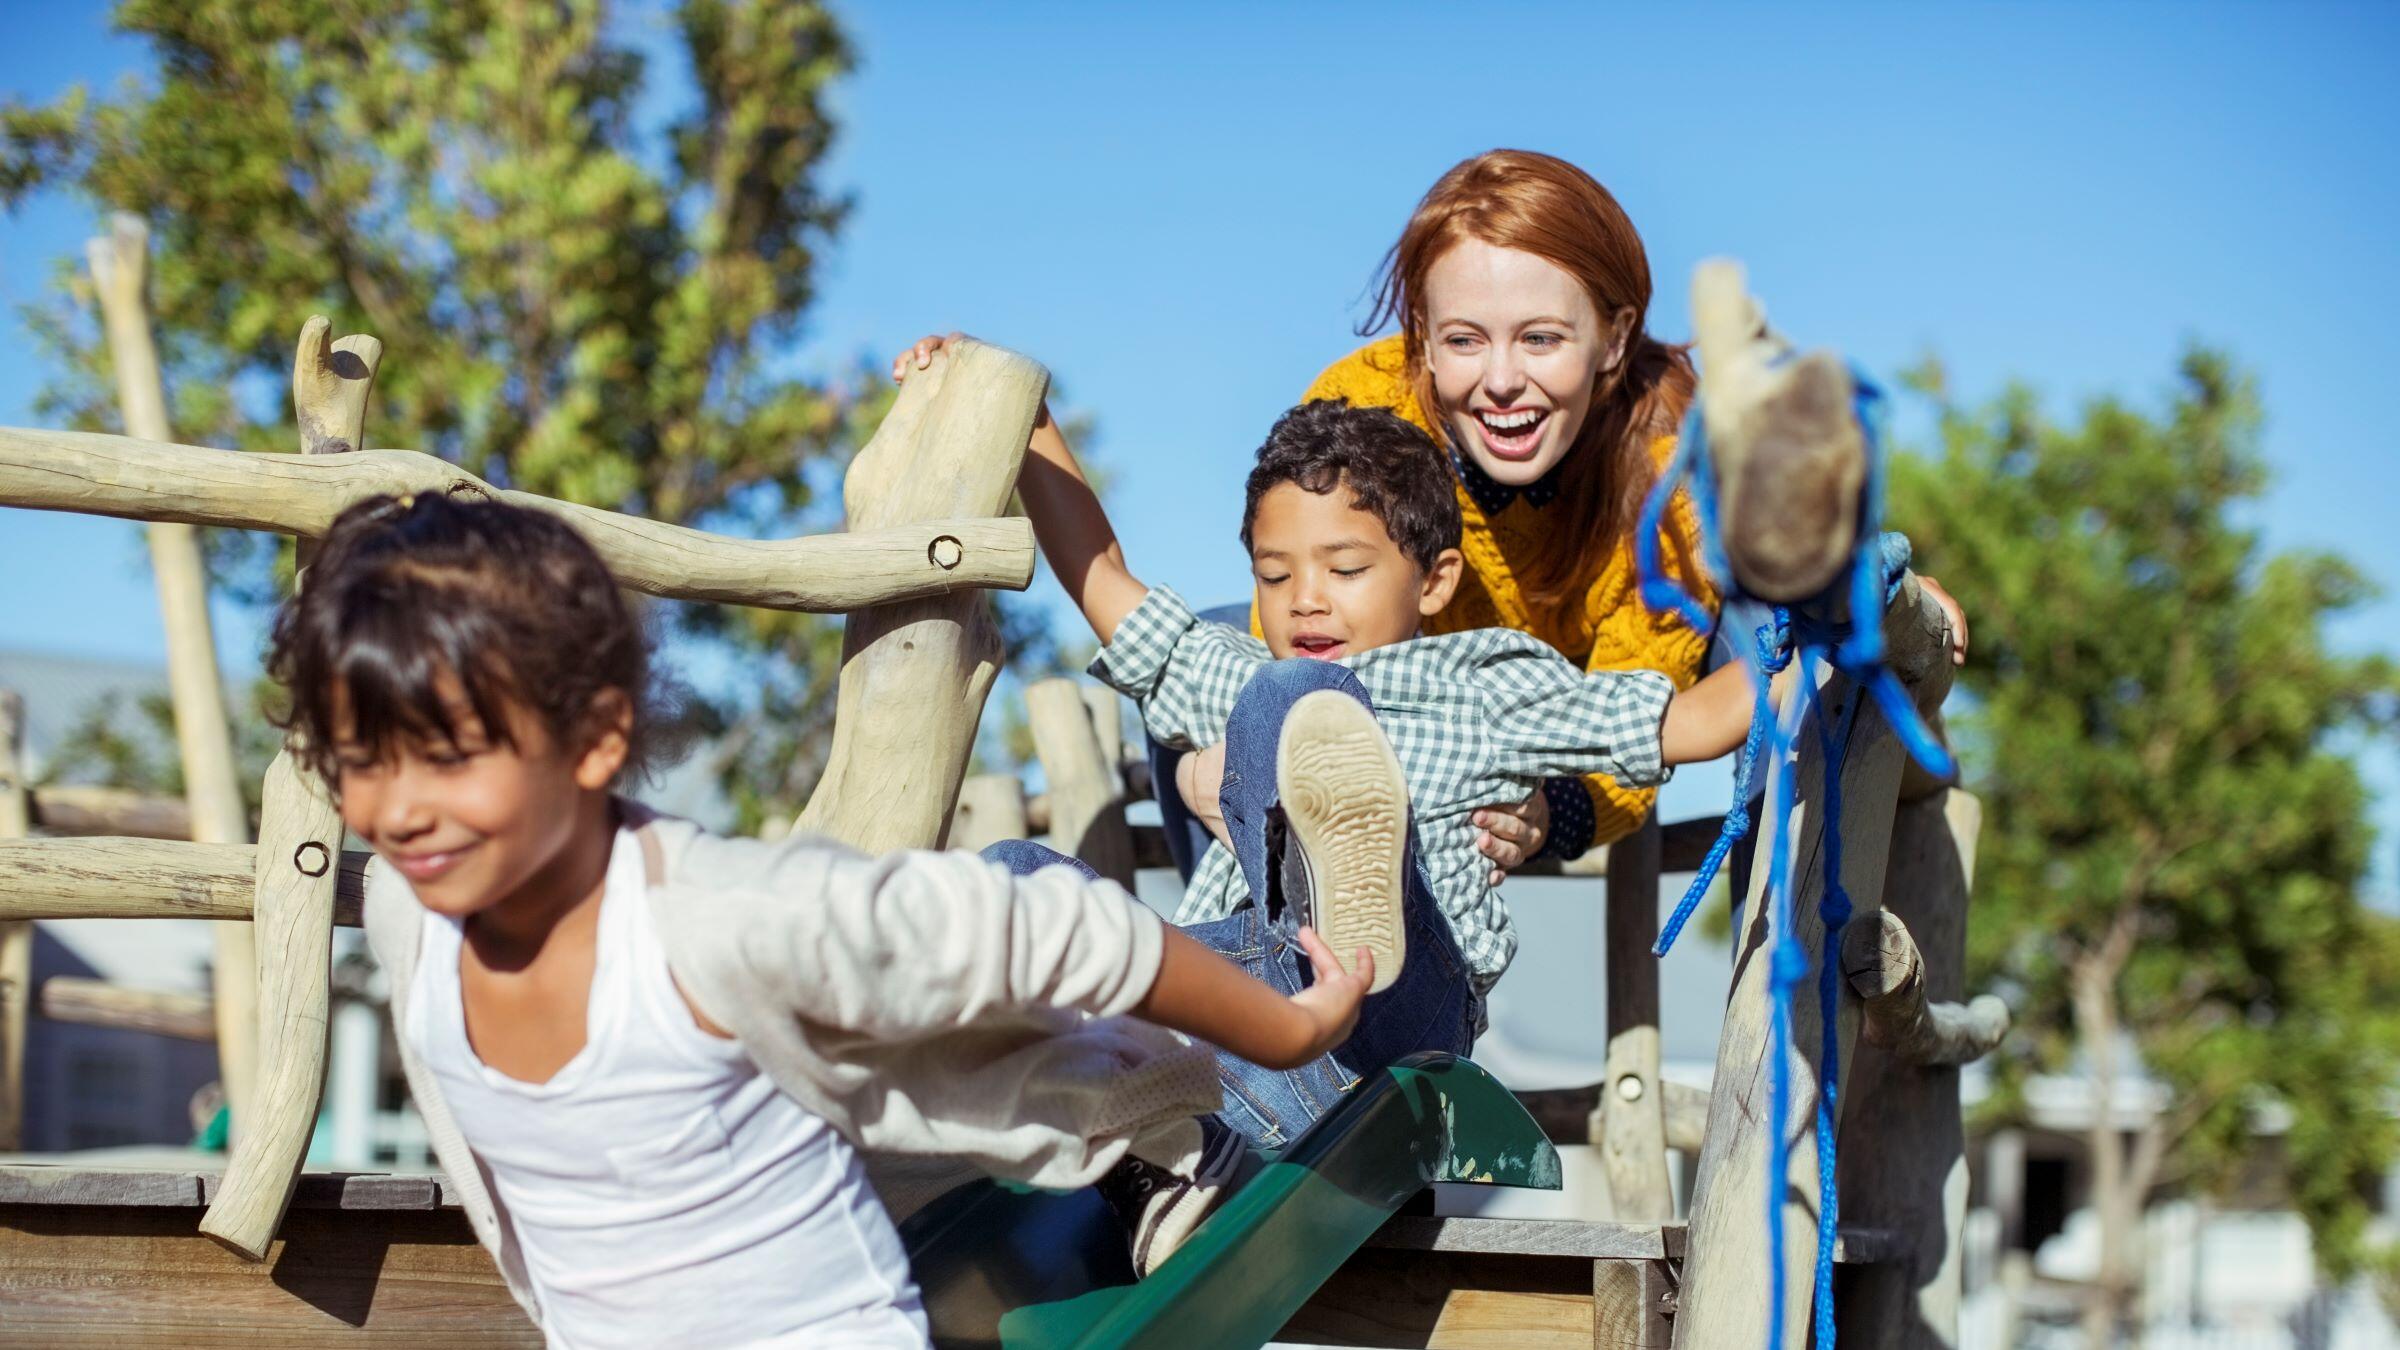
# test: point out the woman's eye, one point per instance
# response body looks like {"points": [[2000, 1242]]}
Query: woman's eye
{"points": [[1542, 341], [1458, 342]]}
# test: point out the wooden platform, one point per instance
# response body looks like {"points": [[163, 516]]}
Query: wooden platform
{"points": [[114, 1258]]}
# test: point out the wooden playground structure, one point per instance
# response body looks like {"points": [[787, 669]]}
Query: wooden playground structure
{"points": [[1332, 1241]]}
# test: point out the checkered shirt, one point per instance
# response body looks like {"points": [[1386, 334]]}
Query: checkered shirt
{"points": [[1476, 718]]}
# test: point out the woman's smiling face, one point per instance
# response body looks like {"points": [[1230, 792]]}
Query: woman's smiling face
{"points": [[1516, 350]]}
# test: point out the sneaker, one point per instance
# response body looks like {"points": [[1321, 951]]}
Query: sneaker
{"points": [[1783, 435], [1346, 807], [1160, 1208]]}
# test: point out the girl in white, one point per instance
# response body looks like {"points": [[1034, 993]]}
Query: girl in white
{"points": [[649, 1059]]}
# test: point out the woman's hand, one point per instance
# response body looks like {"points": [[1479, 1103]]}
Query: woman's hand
{"points": [[1330, 1005], [1957, 616], [1199, 779], [921, 355], [1512, 832]]}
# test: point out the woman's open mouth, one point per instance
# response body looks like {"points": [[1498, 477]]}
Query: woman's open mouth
{"points": [[1511, 435], [1318, 646]]}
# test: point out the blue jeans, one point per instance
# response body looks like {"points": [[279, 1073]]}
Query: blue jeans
{"points": [[1432, 1006]]}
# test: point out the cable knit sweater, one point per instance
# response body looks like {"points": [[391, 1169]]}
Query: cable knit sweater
{"points": [[1610, 630]]}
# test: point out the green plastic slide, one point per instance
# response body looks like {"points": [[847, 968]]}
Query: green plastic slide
{"points": [[1012, 1267]]}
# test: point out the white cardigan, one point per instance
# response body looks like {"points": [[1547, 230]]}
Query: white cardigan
{"points": [[927, 1005]]}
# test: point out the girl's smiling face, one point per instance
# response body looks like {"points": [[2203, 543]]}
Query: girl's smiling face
{"points": [[1516, 350], [474, 820]]}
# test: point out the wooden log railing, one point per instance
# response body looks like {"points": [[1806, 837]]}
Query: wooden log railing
{"points": [[920, 651], [16, 936], [60, 809], [97, 1003]]}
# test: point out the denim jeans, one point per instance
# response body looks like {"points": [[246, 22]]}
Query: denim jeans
{"points": [[1432, 1006]]}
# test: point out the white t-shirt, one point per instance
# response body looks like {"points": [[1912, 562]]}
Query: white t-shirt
{"points": [[663, 1191]]}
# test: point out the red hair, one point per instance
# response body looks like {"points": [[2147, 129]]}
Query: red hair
{"points": [[1542, 205]]}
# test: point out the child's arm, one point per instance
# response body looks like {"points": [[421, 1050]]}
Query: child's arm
{"points": [[1712, 718], [1207, 997], [1074, 532]]}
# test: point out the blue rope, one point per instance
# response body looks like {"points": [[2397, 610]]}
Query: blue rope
{"points": [[1855, 648]]}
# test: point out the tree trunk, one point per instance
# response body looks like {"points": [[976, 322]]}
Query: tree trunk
{"points": [[2113, 1200]]}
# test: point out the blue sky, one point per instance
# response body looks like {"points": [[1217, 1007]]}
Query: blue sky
{"points": [[1178, 208]]}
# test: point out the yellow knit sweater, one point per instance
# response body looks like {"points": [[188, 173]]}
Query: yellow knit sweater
{"points": [[1610, 630]]}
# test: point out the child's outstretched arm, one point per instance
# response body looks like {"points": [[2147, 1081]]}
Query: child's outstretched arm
{"points": [[1068, 521], [1712, 718], [1205, 996], [1074, 531]]}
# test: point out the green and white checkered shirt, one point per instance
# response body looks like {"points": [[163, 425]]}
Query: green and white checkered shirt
{"points": [[1476, 718]]}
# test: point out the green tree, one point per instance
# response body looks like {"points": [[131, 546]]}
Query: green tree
{"points": [[2175, 833], [574, 302]]}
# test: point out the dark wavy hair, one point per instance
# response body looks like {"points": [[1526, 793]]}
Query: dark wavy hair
{"points": [[510, 601], [1392, 470]]}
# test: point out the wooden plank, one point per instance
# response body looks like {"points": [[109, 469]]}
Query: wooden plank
{"points": [[120, 265], [1722, 1283], [97, 1003], [1633, 1303], [148, 879], [1577, 1238], [67, 1184], [1903, 1151], [1452, 1301], [117, 1277], [1631, 1128], [915, 674]]}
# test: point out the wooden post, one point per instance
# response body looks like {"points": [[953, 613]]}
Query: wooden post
{"points": [[1108, 728], [1725, 1275], [991, 807], [16, 939], [97, 1003], [300, 841], [1087, 808], [1903, 1155], [1630, 1123], [120, 263], [914, 675], [1784, 443]]}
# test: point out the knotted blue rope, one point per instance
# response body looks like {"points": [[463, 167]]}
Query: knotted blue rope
{"points": [[1812, 631]]}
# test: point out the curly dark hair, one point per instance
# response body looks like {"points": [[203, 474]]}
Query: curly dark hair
{"points": [[509, 600], [1392, 469]]}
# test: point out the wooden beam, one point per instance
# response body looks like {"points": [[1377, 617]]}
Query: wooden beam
{"points": [[299, 837], [1721, 1304], [1566, 1114], [1633, 1304], [1903, 1146], [147, 879], [150, 479], [120, 265], [915, 674], [991, 807], [74, 810], [1631, 1129], [1883, 965], [97, 1003], [16, 937], [1087, 809]]}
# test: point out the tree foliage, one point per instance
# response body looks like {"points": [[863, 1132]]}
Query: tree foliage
{"points": [[2162, 735], [579, 295]]}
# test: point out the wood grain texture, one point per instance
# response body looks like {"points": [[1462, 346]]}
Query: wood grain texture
{"points": [[119, 1276], [1452, 1301], [991, 807], [147, 479], [1565, 1114], [1885, 968], [1727, 1268], [97, 1003], [1631, 1128], [1633, 1303], [915, 674], [120, 267], [299, 839], [148, 879]]}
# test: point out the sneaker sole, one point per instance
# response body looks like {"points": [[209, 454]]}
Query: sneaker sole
{"points": [[1186, 1212], [1348, 808]]}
